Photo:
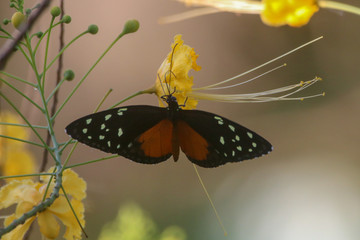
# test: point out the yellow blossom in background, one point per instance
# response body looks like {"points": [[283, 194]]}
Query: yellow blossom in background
{"points": [[18, 162], [15, 159], [294, 13], [290, 12], [181, 59], [11, 131], [132, 223], [27, 194]]}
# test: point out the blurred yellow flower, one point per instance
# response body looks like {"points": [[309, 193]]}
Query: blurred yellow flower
{"points": [[11, 131], [27, 194], [132, 223], [173, 79], [290, 12], [18, 162], [15, 159], [273, 12]]}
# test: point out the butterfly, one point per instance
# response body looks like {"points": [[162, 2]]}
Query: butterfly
{"points": [[149, 134]]}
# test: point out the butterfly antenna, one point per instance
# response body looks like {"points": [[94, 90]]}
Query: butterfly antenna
{"points": [[170, 69], [161, 83]]}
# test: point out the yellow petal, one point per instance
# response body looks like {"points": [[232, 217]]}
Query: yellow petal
{"points": [[74, 185], [73, 230], [19, 231], [22, 208], [49, 227], [18, 161], [183, 59], [17, 191], [59, 206], [292, 13]]}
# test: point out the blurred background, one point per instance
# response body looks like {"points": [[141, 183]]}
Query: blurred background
{"points": [[307, 188]]}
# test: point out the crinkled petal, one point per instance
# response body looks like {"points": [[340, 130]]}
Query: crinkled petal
{"points": [[183, 59], [74, 185], [19, 231], [73, 230], [17, 191], [49, 227], [59, 206], [290, 12], [23, 207]]}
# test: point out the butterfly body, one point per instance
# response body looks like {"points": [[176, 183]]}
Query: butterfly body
{"points": [[149, 134]]}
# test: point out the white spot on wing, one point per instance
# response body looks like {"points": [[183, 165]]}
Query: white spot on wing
{"points": [[222, 140]]}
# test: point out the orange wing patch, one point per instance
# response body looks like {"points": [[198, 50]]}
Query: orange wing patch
{"points": [[156, 141], [191, 143]]}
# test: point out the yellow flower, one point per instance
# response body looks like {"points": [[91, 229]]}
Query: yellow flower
{"points": [[15, 159], [181, 85], [173, 74], [18, 162], [290, 12], [11, 131], [27, 194], [294, 13], [133, 223]]}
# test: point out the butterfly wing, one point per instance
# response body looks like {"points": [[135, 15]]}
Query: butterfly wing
{"points": [[209, 140], [141, 133]]}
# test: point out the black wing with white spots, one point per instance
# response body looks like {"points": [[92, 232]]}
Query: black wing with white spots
{"points": [[117, 130], [227, 140]]}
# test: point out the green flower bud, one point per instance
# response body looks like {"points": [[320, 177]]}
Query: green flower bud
{"points": [[6, 21], [18, 19], [69, 75], [93, 29], [66, 19], [39, 34], [12, 5], [131, 26], [55, 11], [28, 11]]}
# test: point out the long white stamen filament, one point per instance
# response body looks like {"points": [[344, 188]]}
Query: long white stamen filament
{"points": [[249, 80], [260, 66], [264, 96]]}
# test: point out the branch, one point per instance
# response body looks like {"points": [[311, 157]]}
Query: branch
{"points": [[7, 49]]}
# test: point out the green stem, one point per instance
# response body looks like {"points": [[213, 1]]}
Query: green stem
{"points": [[42, 37], [22, 125], [22, 94], [55, 90], [339, 6], [85, 76], [92, 161], [73, 211], [6, 37], [22, 140], [26, 175], [18, 79], [62, 50], [128, 98], [64, 146], [27, 122], [42, 85]]}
